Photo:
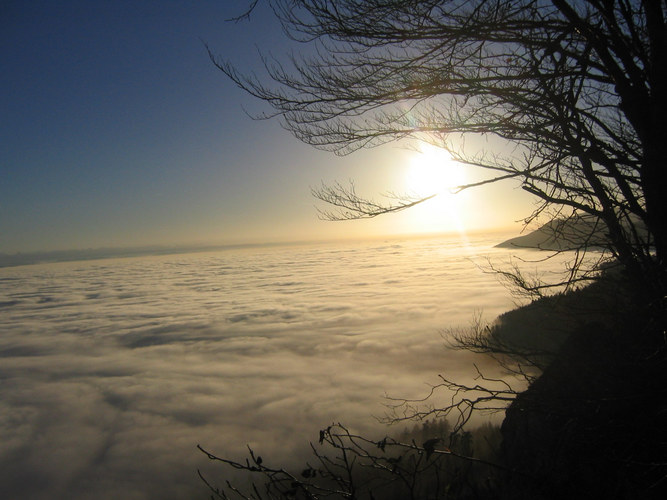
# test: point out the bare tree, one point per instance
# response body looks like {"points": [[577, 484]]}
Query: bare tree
{"points": [[575, 89], [574, 94]]}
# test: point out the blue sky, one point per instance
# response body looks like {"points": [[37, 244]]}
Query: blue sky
{"points": [[118, 131]]}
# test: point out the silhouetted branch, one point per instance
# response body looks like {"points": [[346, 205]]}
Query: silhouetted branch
{"points": [[354, 466], [352, 206], [245, 15], [461, 400]]}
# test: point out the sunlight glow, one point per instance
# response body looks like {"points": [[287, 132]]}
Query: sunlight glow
{"points": [[432, 171]]}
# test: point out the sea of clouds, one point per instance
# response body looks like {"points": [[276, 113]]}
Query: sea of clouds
{"points": [[112, 371]]}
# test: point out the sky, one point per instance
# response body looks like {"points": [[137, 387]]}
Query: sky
{"points": [[118, 131]]}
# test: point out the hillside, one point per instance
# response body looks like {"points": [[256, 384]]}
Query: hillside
{"points": [[562, 234]]}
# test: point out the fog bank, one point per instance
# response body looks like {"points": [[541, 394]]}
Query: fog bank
{"points": [[114, 370]]}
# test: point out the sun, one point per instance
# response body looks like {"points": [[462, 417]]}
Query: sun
{"points": [[432, 171]]}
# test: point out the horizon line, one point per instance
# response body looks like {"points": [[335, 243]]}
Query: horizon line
{"points": [[31, 257]]}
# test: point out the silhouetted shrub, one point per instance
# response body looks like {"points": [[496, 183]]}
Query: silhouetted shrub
{"points": [[427, 461]]}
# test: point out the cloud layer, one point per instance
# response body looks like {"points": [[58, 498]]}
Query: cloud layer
{"points": [[113, 370]]}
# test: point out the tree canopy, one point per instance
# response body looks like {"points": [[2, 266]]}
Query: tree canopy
{"points": [[576, 89]]}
